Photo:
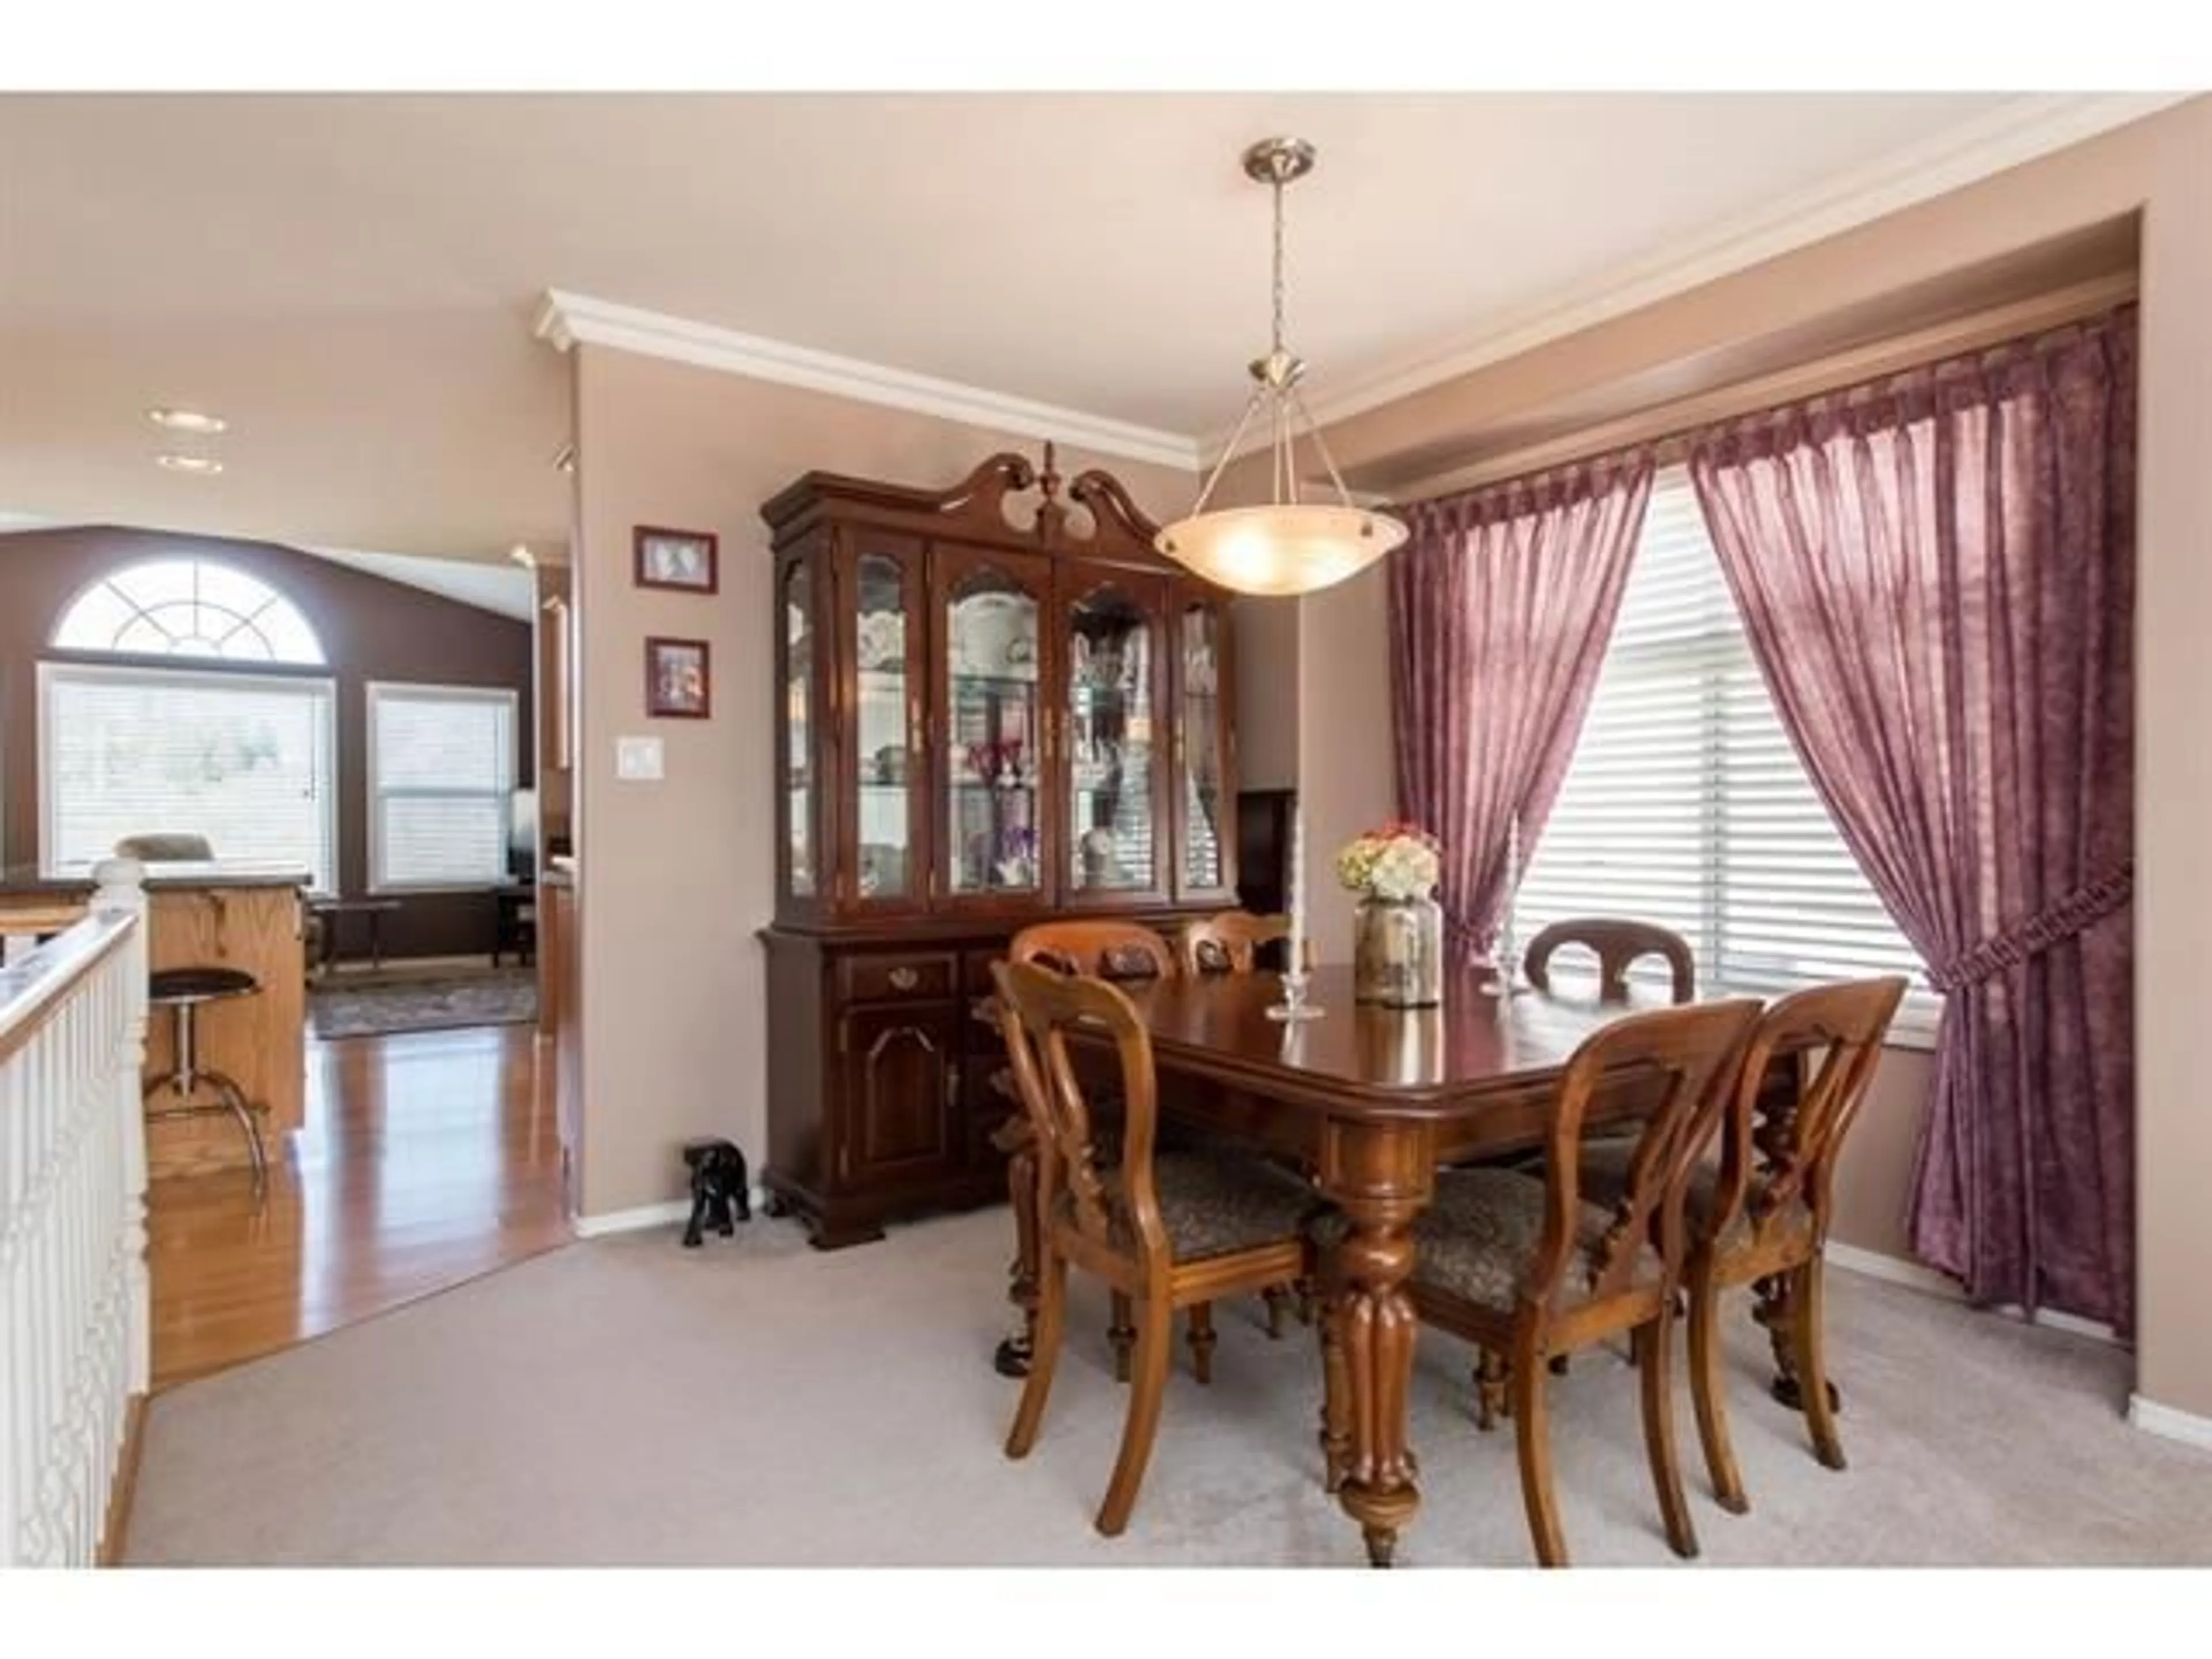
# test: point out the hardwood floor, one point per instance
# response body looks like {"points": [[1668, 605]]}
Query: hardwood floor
{"points": [[425, 1160]]}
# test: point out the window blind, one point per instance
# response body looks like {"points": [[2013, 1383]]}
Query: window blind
{"points": [[442, 785], [1686, 803], [242, 758]]}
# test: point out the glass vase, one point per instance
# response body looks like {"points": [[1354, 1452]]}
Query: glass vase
{"points": [[1398, 952]]}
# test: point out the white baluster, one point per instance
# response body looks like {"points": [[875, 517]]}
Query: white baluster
{"points": [[74, 1321]]}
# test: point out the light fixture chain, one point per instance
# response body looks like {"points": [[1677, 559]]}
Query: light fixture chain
{"points": [[1278, 259]]}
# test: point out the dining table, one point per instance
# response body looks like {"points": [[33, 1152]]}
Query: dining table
{"points": [[1371, 1101]]}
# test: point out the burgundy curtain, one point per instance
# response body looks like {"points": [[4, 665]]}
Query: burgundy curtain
{"points": [[1501, 604], [1938, 580]]}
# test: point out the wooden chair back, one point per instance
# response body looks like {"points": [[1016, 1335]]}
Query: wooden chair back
{"points": [[1101, 949], [1693, 1053], [1835, 1032], [1619, 943], [1228, 942], [1110, 1196]]}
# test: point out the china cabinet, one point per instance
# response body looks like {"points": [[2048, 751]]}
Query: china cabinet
{"points": [[997, 704]]}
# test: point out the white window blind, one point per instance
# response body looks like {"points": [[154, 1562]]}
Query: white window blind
{"points": [[242, 758], [441, 785], [1686, 803]]}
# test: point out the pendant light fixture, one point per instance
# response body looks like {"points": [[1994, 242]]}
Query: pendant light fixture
{"points": [[1288, 546]]}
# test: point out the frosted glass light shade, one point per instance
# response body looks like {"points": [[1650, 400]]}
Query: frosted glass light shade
{"points": [[1280, 550]]}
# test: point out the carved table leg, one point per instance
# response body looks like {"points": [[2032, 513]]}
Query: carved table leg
{"points": [[1379, 1176], [1017, 1140]]}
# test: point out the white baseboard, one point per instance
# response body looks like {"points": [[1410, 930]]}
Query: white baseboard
{"points": [[1914, 1276], [1910, 1274], [630, 1221], [2168, 1423], [671, 1213]]}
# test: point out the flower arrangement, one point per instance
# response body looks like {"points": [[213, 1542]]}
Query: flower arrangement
{"points": [[1394, 861]]}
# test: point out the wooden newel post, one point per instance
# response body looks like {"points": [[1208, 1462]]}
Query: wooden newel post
{"points": [[120, 890]]}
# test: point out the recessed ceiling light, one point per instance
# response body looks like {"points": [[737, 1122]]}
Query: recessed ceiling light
{"points": [[204, 465], [188, 420]]}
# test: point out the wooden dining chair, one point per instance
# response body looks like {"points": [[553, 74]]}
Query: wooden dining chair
{"points": [[1619, 943], [1760, 1217], [1526, 1265], [1163, 1231], [1228, 942], [1124, 951], [1101, 950]]}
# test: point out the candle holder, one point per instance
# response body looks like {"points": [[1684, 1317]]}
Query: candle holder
{"points": [[1505, 948], [1294, 1005]]}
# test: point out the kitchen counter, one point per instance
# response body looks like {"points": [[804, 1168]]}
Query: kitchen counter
{"points": [[210, 872], [226, 913]]}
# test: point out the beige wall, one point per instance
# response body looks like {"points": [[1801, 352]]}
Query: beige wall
{"points": [[1347, 775], [2161, 166], [1267, 701], [1875, 1180], [676, 876]]}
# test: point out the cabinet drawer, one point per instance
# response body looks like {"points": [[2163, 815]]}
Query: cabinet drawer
{"points": [[898, 979]]}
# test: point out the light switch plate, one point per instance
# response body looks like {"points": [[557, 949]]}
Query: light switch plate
{"points": [[637, 759]]}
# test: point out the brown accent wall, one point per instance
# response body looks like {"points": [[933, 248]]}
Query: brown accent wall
{"points": [[2157, 168], [371, 630], [676, 878]]}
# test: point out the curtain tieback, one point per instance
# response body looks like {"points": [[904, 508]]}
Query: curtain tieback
{"points": [[2051, 926]]}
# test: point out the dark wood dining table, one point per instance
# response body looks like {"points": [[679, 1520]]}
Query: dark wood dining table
{"points": [[1373, 1101]]}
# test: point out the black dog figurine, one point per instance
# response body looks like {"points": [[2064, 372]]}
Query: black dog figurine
{"points": [[717, 1189]]}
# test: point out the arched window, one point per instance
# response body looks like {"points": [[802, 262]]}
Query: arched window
{"points": [[188, 608]]}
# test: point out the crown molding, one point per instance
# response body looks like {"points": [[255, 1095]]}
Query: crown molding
{"points": [[565, 321], [2018, 131]]}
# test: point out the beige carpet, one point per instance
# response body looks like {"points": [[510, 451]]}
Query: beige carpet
{"points": [[754, 1402]]}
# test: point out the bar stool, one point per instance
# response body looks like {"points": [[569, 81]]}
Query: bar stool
{"points": [[182, 990]]}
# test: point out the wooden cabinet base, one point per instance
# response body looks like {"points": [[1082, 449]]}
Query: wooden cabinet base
{"points": [[887, 1081], [839, 1222]]}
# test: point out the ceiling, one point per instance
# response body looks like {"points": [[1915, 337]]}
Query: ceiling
{"points": [[351, 280]]}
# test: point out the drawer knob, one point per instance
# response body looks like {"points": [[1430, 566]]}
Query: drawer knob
{"points": [[904, 979]]}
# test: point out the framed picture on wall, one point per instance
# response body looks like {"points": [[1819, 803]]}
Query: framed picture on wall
{"points": [[682, 559], [676, 678]]}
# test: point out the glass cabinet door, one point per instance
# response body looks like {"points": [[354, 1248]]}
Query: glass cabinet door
{"points": [[1201, 745], [1112, 739], [885, 756], [799, 728], [993, 649]]}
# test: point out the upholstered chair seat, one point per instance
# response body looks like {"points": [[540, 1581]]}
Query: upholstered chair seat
{"points": [[1478, 1238], [1214, 1203], [1479, 1235]]}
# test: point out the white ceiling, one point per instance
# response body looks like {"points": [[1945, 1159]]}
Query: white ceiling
{"points": [[352, 279]]}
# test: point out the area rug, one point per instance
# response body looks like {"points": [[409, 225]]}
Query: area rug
{"points": [[427, 1002]]}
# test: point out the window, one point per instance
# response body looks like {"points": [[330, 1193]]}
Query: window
{"points": [[440, 785], [1686, 803], [188, 608], [241, 759]]}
